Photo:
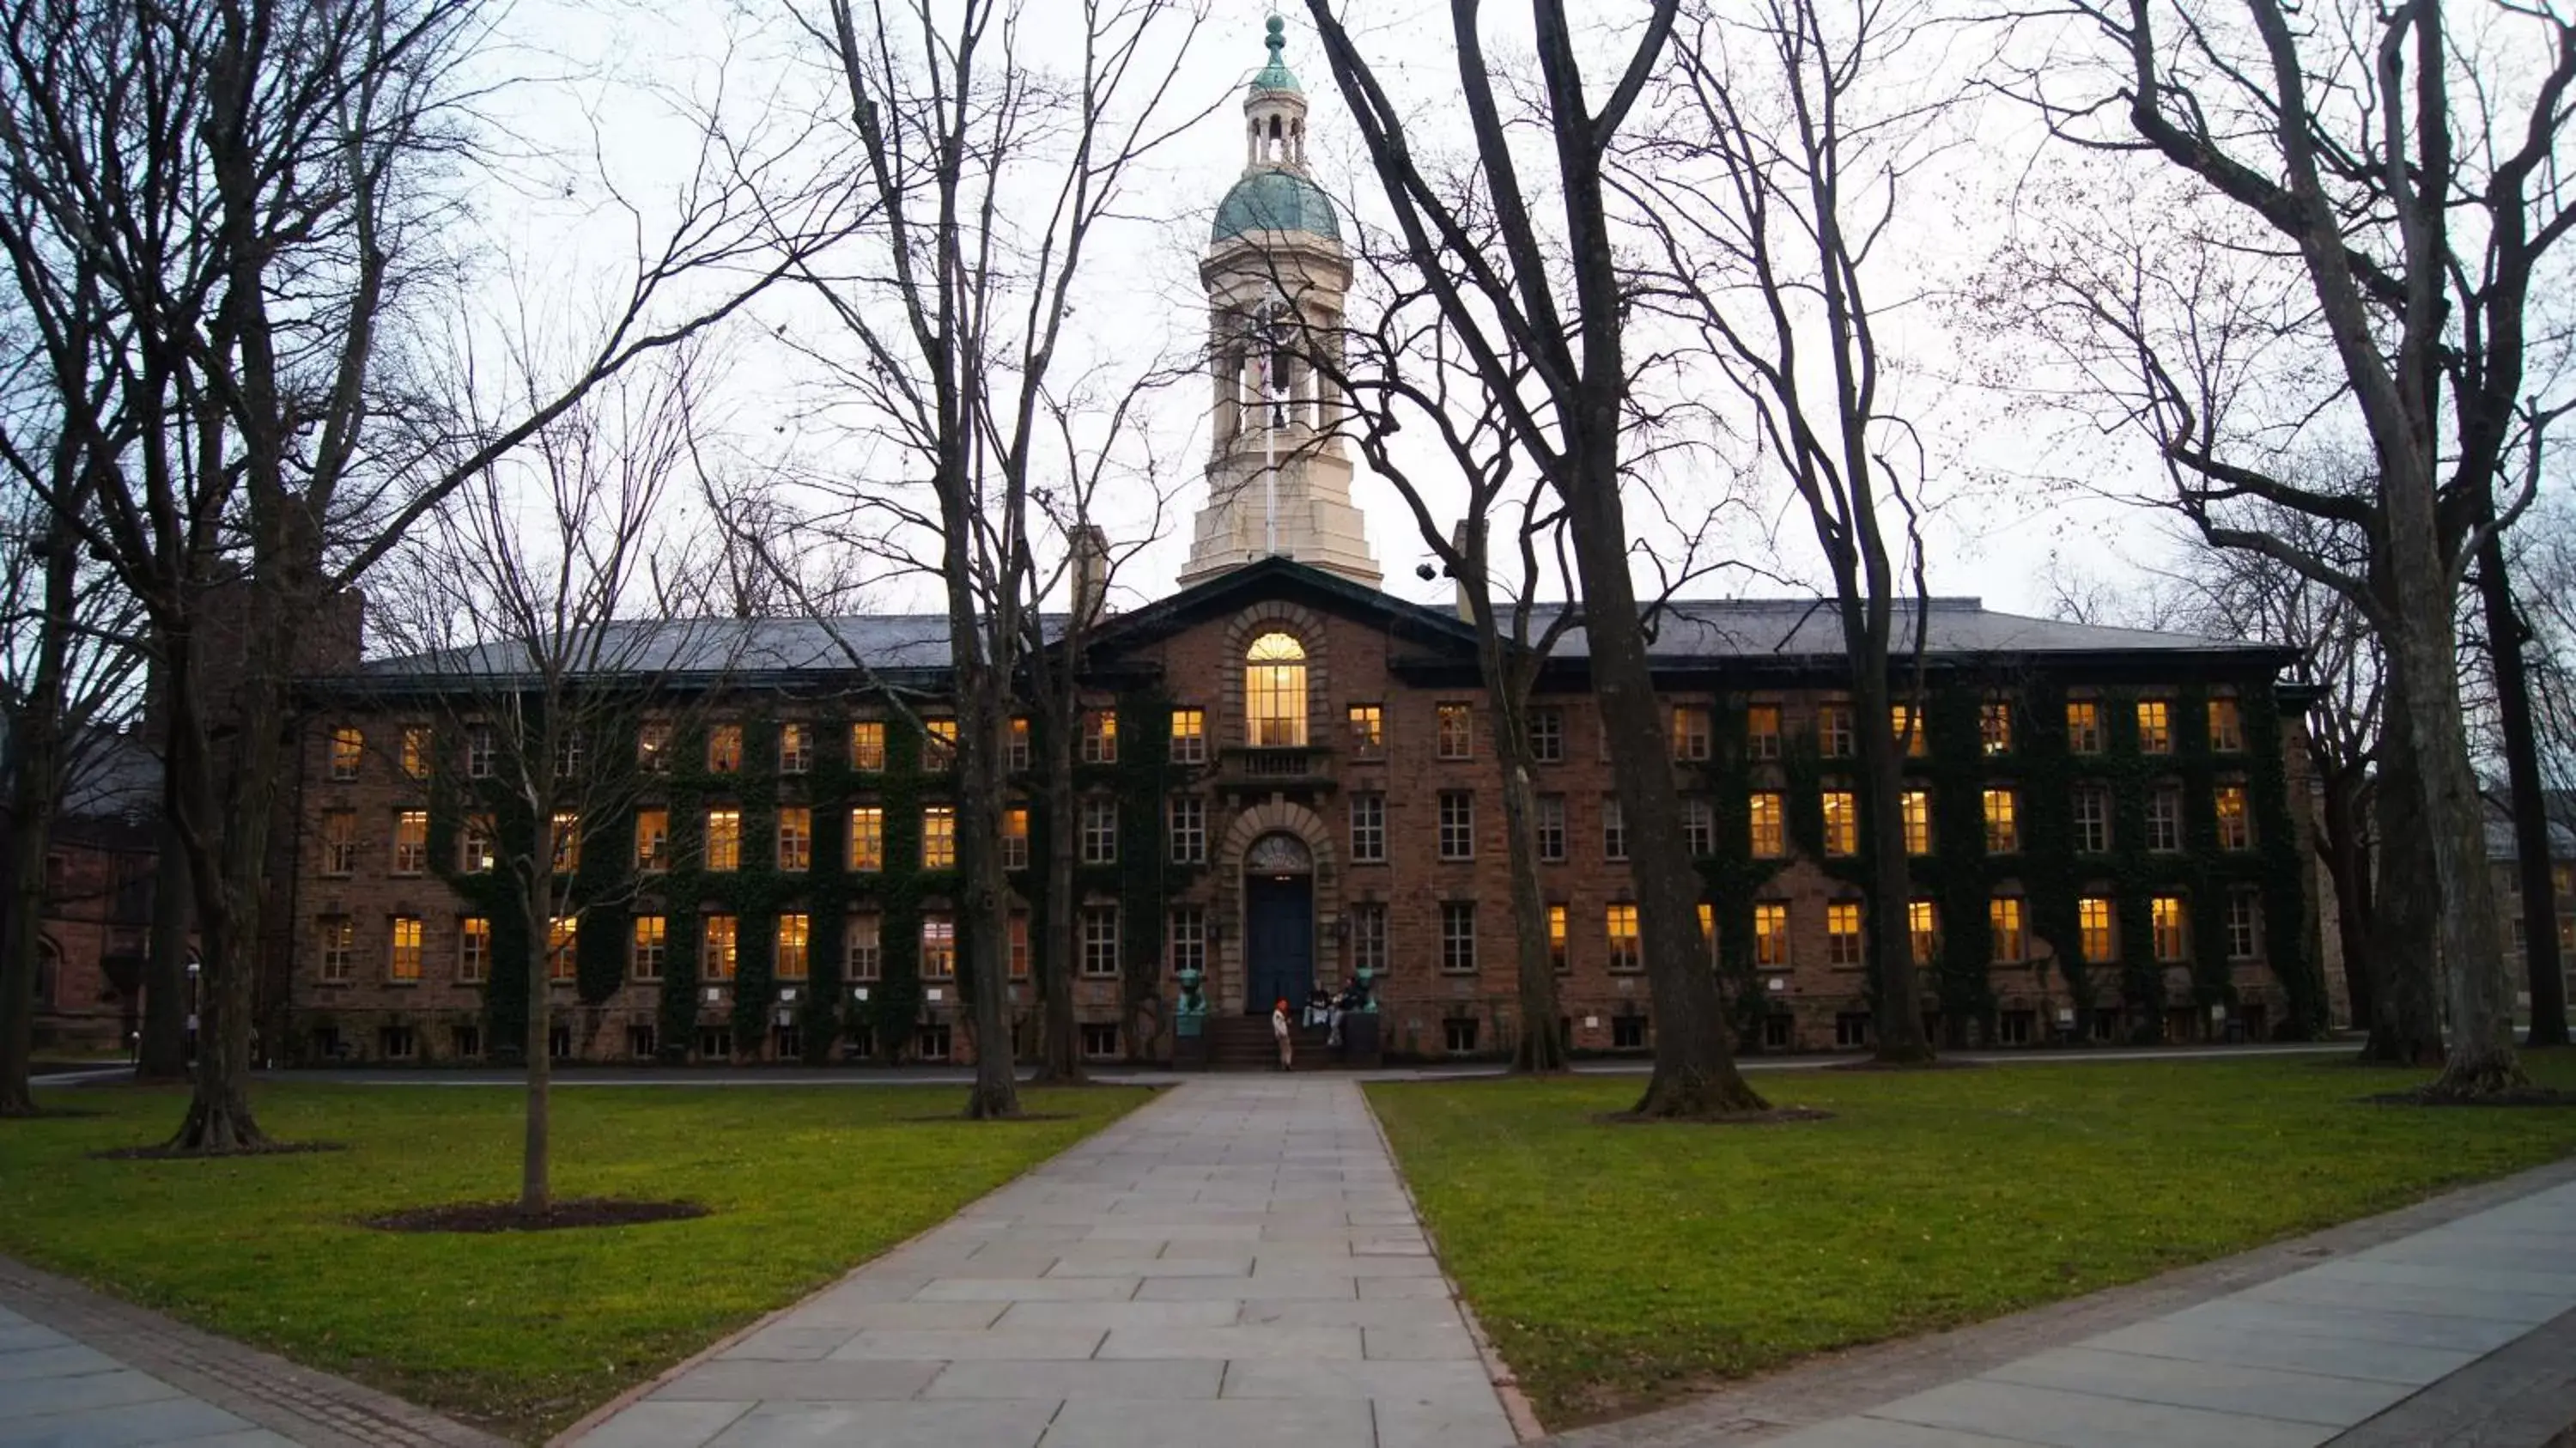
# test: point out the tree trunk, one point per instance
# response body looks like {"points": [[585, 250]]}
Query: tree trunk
{"points": [[2345, 853], [1897, 1009], [2405, 956], [162, 1054], [2530, 805], [1694, 1072], [996, 1093], [36, 748], [536, 1151], [1541, 1049], [1059, 1034]]}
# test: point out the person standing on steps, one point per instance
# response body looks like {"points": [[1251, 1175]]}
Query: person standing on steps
{"points": [[1279, 1033]]}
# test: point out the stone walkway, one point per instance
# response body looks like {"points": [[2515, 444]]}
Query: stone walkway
{"points": [[2452, 1323], [79, 1370], [1234, 1264]]}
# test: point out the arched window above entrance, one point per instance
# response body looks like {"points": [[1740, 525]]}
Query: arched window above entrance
{"points": [[1274, 693]]}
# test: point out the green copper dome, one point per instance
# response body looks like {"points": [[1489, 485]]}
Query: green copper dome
{"points": [[1276, 76], [1275, 200]]}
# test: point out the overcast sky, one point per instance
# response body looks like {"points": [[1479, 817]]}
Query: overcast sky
{"points": [[619, 74]]}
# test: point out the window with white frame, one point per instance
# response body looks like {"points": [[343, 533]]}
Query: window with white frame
{"points": [[1186, 938], [1551, 828], [1368, 938], [1100, 832], [2164, 818], [1458, 937], [2092, 819], [1614, 829], [1457, 824], [1100, 940], [1547, 734], [1368, 829], [2244, 925], [860, 953], [1189, 829], [1699, 827]]}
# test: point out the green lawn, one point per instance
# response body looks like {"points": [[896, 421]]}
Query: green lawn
{"points": [[1618, 1266], [523, 1332]]}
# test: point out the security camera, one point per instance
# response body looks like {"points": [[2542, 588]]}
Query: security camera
{"points": [[1423, 571]]}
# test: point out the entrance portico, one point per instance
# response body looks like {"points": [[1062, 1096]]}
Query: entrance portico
{"points": [[1278, 884]]}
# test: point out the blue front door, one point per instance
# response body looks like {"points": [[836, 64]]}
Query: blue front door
{"points": [[1279, 941]]}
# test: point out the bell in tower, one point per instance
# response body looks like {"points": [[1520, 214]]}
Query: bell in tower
{"points": [[1279, 479]]}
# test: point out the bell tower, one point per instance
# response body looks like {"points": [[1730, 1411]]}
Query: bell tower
{"points": [[1279, 479]]}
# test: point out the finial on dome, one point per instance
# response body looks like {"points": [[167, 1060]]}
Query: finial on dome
{"points": [[1275, 76], [1278, 40]]}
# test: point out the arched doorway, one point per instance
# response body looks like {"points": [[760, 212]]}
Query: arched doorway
{"points": [[1278, 922]]}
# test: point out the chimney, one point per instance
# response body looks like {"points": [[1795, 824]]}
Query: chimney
{"points": [[1458, 539], [1090, 574]]}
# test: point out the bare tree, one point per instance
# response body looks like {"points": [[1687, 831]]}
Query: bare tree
{"points": [[1768, 182], [2422, 203], [549, 627], [988, 177], [1554, 300], [257, 182]]}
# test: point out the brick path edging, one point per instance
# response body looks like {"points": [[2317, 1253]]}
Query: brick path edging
{"points": [[312, 1407]]}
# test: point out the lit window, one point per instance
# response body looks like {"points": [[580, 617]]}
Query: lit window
{"points": [[653, 748], [2003, 824], [1834, 731], [1762, 731], [564, 838], [939, 837], [795, 838], [1100, 941], [473, 949], [1015, 837], [1274, 693], [2004, 924], [795, 942], [1367, 731], [1189, 830], [724, 749], [652, 839], [2093, 925], [1556, 950], [724, 839], [1708, 930], [648, 945], [859, 947], [1458, 937], [1923, 930], [1015, 753], [868, 746], [1915, 809], [2155, 727], [2083, 726], [2244, 925], [337, 938], [2092, 819], [1690, 731], [938, 945], [339, 842], [1456, 738], [1842, 823], [2164, 818], [348, 746], [795, 749], [1099, 736], [1551, 827], [1907, 724], [403, 963], [1368, 939], [416, 752], [1100, 832], [2235, 819], [1368, 829], [2226, 727], [1457, 825], [2171, 928], [1614, 829], [867, 838], [1842, 932], [563, 937], [1619, 925], [1994, 727], [938, 743], [1189, 736], [720, 947], [1771, 934], [411, 841], [1770, 833]]}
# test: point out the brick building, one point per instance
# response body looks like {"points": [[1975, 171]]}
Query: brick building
{"points": [[1286, 774], [99, 867]]}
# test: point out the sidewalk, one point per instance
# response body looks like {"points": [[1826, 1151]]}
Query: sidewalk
{"points": [[2452, 1322], [78, 1370], [1234, 1264]]}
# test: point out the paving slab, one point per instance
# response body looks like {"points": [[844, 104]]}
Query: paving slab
{"points": [[1234, 1264]]}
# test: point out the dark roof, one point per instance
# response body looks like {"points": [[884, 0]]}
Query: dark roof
{"points": [[1690, 632]]}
